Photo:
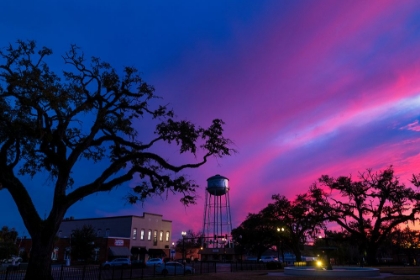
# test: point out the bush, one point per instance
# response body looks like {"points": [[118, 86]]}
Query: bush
{"points": [[311, 263], [273, 265]]}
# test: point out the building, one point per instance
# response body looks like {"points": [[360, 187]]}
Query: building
{"points": [[137, 237]]}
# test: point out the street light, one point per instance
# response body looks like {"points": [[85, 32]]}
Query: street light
{"points": [[241, 248], [183, 245], [173, 250], [280, 231], [327, 249]]}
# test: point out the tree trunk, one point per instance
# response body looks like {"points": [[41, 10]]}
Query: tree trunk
{"points": [[298, 254], [39, 266], [371, 255]]}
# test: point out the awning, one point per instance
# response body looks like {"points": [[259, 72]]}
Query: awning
{"points": [[119, 251], [156, 252], [138, 251]]}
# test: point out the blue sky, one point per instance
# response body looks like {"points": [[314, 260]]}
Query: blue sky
{"points": [[305, 87]]}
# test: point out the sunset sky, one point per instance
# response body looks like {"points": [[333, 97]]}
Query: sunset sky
{"points": [[305, 88]]}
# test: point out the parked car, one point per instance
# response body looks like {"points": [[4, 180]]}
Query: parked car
{"points": [[13, 259], [266, 259], [154, 262], [173, 268], [123, 262]]}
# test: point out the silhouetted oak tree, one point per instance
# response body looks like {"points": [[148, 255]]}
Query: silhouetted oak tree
{"points": [[297, 219], [50, 123], [255, 235], [368, 208], [343, 248]]}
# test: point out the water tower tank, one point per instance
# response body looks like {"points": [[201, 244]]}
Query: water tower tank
{"points": [[217, 185], [217, 225]]}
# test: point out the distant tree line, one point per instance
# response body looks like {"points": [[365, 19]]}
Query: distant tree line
{"points": [[82, 243], [189, 244], [369, 210], [8, 237]]}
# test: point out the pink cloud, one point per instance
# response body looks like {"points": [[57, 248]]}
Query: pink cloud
{"points": [[288, 84], [414, 126]]}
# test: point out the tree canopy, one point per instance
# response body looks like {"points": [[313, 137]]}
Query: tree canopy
{"points": [[8, 238], [296, 219], [369, 208], [369, 211], [255, 234], [51, 123], [82, 243], [282, 222], [189, 244]]}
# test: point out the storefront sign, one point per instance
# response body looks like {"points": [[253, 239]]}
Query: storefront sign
{"points": [[119, 242]]}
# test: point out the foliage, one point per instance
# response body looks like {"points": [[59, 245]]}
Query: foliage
{"points": [[82, 243], [7, 242], [343, 248], [368, 208], [189, 243], [254, 234], [296, 221], [405, 243], [273, 265], [282, 223], [51, 124]]}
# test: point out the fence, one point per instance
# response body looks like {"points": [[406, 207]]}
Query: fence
{"points": [[240, 266], [96, 272]]}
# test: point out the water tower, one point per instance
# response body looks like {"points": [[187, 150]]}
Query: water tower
{"points": [[217, 220]]}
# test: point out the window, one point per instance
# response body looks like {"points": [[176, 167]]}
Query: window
{"points": [[54, 254], [167, 236], [161, 235], [107, 231], [67, 253], [134, 233], [155, 238], [59, 234], [142, 234], [98, 233], [149, 235], [96, 251]]}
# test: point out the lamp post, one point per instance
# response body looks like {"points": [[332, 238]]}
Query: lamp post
{"points": [[183, 249], [173, 250], [183, 245], [327, 249], [241, 248], [280, 231]]}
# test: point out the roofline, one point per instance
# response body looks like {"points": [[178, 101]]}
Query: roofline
{"points": [[113, 217]]}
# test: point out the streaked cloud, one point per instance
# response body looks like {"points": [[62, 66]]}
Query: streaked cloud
{"points": [[414, 126], [305, 87]]}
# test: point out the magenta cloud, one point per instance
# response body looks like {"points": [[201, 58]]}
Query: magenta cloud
{"points": [[306, 88]]}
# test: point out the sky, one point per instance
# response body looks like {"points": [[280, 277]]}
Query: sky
{"points": [[305, 88]]}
